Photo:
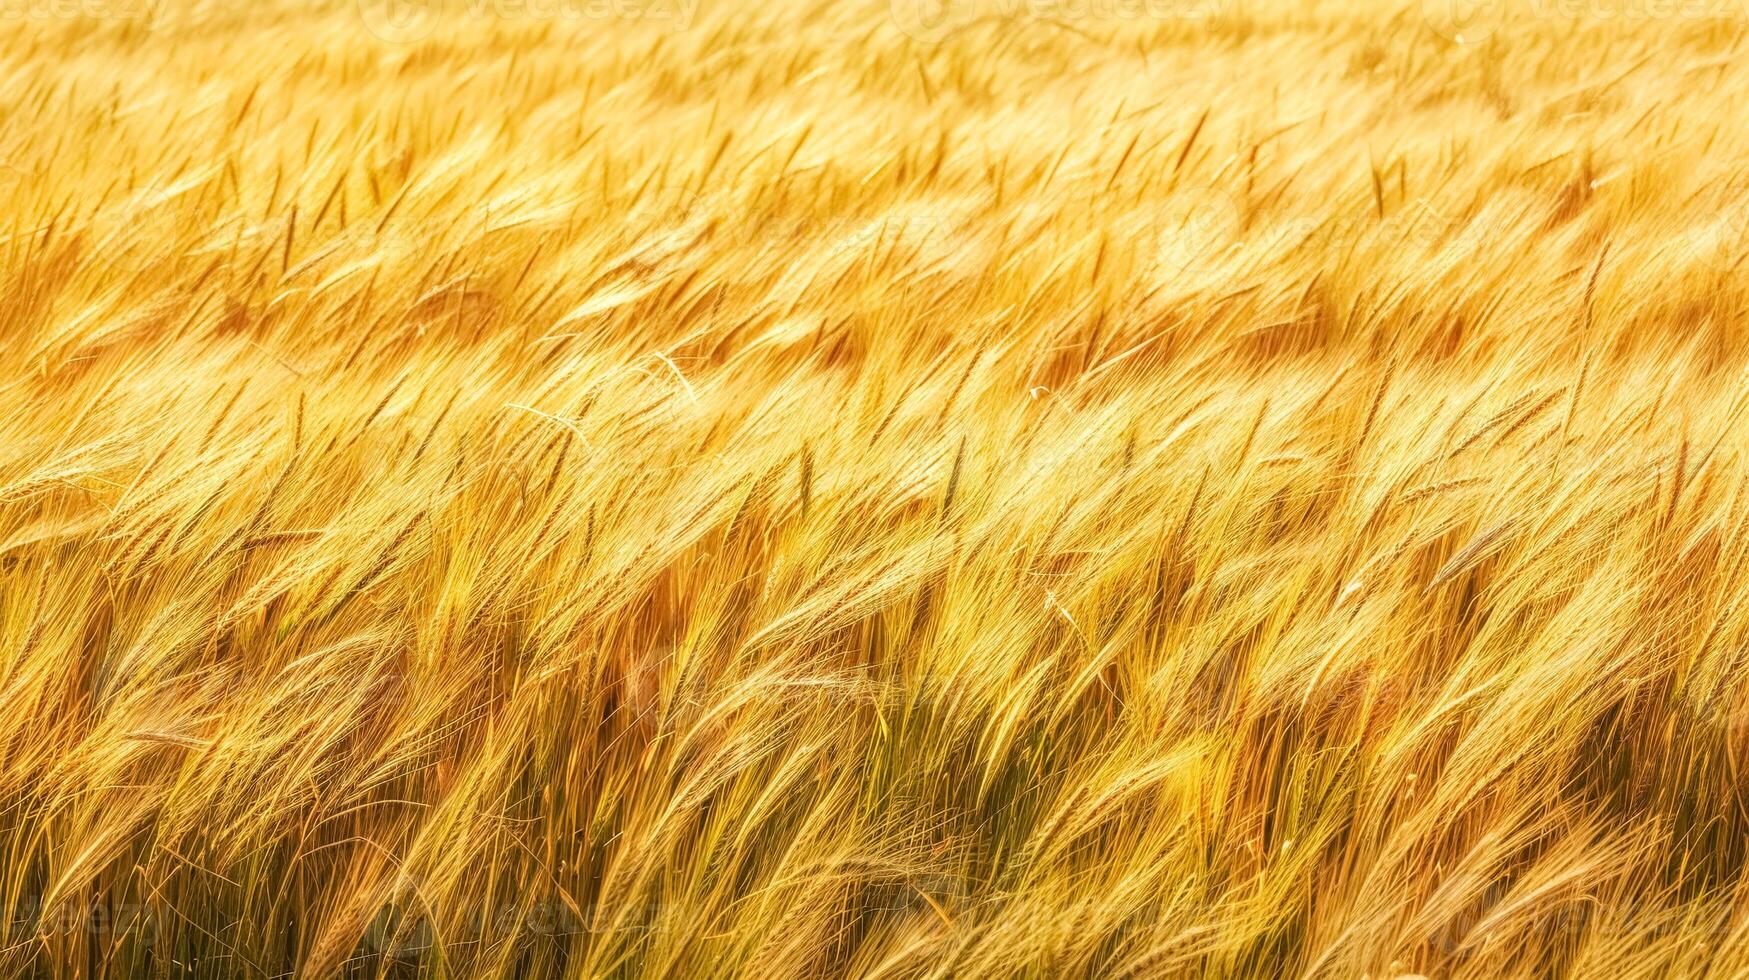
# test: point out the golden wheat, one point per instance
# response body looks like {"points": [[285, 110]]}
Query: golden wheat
{"points": [[674, 488]]}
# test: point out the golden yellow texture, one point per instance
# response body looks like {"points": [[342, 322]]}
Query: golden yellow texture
{"points": [[1019, 488]]}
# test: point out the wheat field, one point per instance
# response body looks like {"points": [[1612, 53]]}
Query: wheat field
{"points": [[1024, 488]]}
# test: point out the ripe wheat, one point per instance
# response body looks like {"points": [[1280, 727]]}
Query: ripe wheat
{"points": [[798, 489]]}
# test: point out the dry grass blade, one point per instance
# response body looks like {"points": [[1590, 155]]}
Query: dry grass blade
{"points": [[994, 489]]}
